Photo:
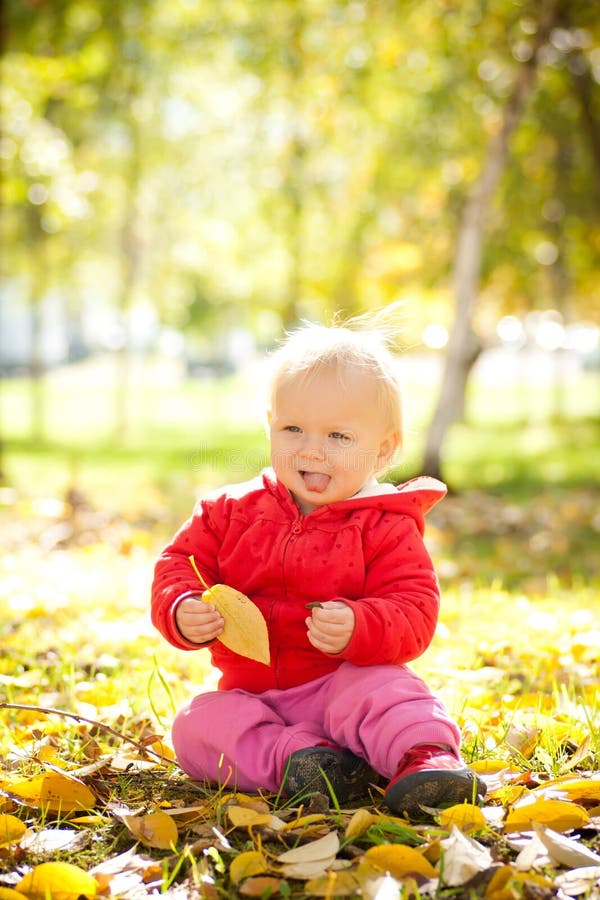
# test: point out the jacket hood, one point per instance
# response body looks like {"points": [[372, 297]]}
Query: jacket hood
{"points": [[414, 497]]}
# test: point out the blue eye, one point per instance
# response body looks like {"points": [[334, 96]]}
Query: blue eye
{"points": [[343, 438], [293, 428]]}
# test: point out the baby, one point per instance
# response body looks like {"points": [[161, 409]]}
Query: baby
{"points": [[336, 563]]}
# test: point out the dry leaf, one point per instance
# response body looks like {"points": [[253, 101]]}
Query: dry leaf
{"points": [[57, 881], [310, 860], [153, 830], [577, 881], [242, 817], [497, 885], [587, 789], [53, 840], [305, 821], [247, 864], [359, 823], [245, 630], [261, 886], [333, 884], [314, 851], [465, 816], [560, 815], [400, 860], [462, 858], [55, 792], [11, 830], [566, 851]]}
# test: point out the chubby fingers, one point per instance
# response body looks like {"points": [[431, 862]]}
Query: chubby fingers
{"points": [[198, 621], [330, 626]]}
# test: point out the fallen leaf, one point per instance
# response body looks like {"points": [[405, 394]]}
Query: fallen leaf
{"points": [[465, 816], [587, 789], [577, 881], [314, 851], [53, 840], [243, 817], [566, 851], [462, 858], [502, 881], [399, 861], [310, 860], [261, 886], [245, 630], [359, 823], [560, 815], [11, 829], [54, 792], [332, 884], [57, 881], [154, 829], [246, 864]]}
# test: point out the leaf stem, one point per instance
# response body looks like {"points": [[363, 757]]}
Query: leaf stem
{"points": [[197, 571]]}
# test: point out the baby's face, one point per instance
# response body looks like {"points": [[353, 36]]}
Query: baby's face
{"points": [[328, 437]]}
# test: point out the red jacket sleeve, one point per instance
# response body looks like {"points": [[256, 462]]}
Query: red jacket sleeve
{"points": [[397, 616], [174, 576]]}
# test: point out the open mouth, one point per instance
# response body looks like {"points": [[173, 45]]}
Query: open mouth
{"points": [[315, 481]]}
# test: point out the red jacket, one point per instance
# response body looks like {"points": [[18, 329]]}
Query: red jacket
{"points": [[367, 551]]}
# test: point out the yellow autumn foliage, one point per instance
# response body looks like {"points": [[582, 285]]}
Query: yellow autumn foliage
{"points": [[57, 881]]}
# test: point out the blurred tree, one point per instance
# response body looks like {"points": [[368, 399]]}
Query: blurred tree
{"points": [[290, 158]]}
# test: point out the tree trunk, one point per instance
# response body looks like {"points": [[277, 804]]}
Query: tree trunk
{"points": [[584, 87], [463, 346]]}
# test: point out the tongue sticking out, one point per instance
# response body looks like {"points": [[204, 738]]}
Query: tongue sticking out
{"points": [[316, 481]]}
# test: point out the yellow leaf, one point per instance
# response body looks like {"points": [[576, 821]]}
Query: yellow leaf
{"points": [[332, 884], [242, 817], [560, 815], [245, 630], [10, 894], [573, 788], [247, 864], [304, 821], [490, 766], [54, 792], [154, 830], [399, 860], [11, 830], [57, 881], [507, 883], [465, 816], [163, 749], [359, 823]]}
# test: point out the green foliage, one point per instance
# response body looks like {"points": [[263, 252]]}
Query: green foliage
{"points": [[232, 159]]}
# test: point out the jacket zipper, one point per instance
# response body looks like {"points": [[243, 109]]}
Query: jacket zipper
{"points": [[294, 530]]}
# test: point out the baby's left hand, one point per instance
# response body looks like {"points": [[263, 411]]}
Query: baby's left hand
{"points": [[330, 626]]}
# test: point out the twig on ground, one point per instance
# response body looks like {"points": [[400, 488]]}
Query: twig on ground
{"points": [[48, 710]]}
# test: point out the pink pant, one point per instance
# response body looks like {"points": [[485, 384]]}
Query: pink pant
{"points": [[244, 739]]}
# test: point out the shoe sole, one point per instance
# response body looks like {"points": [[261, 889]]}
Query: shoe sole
{"points": [[433, 789]]}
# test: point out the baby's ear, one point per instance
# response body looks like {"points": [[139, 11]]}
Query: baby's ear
{"points": [[388, 446]]}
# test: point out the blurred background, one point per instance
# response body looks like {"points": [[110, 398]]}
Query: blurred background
{"points": [[185, 179]]}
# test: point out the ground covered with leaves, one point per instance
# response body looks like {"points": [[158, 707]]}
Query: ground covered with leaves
{"points": [[93, 804]]}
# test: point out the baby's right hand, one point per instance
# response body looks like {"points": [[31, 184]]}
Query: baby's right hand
{"points": [[198, 622]]}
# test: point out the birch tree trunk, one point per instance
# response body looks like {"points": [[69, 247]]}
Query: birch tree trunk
{"points": [[463, 345]]}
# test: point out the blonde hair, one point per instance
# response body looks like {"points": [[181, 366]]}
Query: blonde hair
{"points": [[362, 342]]}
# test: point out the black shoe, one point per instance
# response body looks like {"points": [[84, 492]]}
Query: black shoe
{"points": [[327, 770]]}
